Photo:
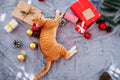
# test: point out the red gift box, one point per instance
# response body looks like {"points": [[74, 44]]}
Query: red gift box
{"points": [[85, 11], [81, 28]]}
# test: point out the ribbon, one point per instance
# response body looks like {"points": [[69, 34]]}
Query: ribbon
{"points": [[82, 30], [10, 26], [27, 12]]}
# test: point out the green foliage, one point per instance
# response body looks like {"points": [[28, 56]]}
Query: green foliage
{"points": [[111, 6], [109, 20]]}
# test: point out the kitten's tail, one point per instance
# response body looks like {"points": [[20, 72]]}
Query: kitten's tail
{"points": [[45, 70]]}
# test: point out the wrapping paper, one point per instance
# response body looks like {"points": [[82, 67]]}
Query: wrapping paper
{"points": [[81, 28], [11, 25], [85, 11], [25, 12], [71, 18]]}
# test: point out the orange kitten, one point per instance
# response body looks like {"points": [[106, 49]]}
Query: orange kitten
{"points": [[48, 44]]}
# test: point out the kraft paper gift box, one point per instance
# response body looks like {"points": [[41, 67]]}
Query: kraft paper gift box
{"points": [[25, 12], [86, 12]]}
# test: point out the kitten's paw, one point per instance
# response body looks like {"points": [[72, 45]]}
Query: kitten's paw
{"points": [[73, 49], [57, 11], [35, 78]]}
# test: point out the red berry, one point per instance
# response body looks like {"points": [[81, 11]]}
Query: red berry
{"points": [[87, 35], [35, 28], [102, 26]]}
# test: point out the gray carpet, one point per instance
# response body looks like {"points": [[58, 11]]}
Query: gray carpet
{"points": [[94, 55]]}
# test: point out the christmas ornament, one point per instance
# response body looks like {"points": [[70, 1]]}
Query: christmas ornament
{"points": [[87, 35], [33, 45], [35, 28], [62, 22], [21, 57], [16, 44], [109, 29], [11, 25], [29, 32], [105, 76], [102, 26]]}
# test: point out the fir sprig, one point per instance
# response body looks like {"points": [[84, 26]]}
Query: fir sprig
{"points": [[109, 20], [111, 6]]}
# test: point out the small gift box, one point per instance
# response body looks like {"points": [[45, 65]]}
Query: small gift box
{"points": [[85, 11], [25, 12], [11, 26], [81, 28], [71, 18]]}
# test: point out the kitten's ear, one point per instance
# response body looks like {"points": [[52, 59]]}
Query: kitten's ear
{"points": [[35, 17], [43, 17], [39, 16], [57, 11]]}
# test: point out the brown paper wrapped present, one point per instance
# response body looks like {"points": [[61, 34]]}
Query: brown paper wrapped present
{"points": [[25, 12]]}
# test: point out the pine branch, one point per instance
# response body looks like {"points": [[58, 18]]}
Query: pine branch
{"points": [[109, 20], [108, 9], [118, 1], [110, 6], [112, 2], [118, 22]]}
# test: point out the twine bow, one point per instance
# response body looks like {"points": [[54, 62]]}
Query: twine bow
{"points": [[26, 12]]}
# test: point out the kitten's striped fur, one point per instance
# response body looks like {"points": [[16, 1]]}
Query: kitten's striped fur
{"points": [[48, 44]]}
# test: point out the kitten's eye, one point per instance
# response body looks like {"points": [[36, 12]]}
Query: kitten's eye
{"points": [[33, 20]]}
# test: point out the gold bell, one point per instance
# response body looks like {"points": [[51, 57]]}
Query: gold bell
{"points": [[21, 57], [29, 32], [33, 45]]}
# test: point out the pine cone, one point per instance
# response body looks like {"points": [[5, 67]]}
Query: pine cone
{"points": [[105, 76]]}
